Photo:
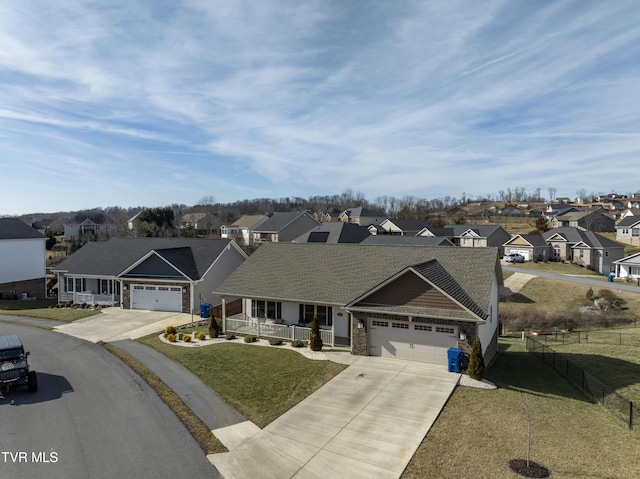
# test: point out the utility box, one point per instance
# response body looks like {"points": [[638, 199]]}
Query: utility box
{"points": [[454, 356]]}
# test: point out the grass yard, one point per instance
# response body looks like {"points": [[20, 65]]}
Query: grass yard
{"points": [[558, 296], [559, 268], [260, 382], [479, 431], [43, 308], [616, 366]]}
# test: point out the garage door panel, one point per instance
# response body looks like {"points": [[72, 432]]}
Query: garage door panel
{"points": [[411, 341], [156, 298]]}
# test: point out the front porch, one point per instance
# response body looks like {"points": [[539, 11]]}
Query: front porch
{"points": [[268, 328], [89, 298]]}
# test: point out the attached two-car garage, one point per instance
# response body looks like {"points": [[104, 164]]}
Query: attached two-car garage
{"points": [[156, 298], [415, 341]]}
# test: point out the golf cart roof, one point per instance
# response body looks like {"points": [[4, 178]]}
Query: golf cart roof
{"points": [[10, 342]]}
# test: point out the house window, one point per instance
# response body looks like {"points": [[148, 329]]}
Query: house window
{"points": [[266, 309], [556, 251], [635, 232], [466, 241], [106, 286], [323, 313], [77, 285], [634, 270], [581, 253]]}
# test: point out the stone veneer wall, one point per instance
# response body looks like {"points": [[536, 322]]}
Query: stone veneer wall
{"points": [[35, 287], [359, 343], [126, 294]]}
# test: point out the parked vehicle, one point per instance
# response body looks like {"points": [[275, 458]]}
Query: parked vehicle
{"points": [[14, 367], [514, 258]]}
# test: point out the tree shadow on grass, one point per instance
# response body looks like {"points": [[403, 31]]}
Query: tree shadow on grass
{"points": [[560, 374], [519, 299]]}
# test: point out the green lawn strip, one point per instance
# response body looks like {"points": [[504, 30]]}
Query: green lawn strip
{"points": [[260, 382], [558, 267], [479, 431], [43, 308], [199, 430]]}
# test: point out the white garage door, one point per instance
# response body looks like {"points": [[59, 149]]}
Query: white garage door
{"points": [[413, 341], [156, 298], [523, 252]]}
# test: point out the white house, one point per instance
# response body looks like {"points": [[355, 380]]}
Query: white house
{"points": [[22, 260]]}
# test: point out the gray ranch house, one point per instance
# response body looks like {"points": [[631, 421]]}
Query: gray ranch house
{"points": [[282, 227], [158, 274], [407, 302]]}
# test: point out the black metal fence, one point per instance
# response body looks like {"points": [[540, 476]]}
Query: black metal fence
{"points": [[594, 337], [617, 404]]}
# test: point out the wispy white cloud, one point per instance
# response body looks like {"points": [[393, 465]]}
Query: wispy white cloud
{"points": [[298, 98]]}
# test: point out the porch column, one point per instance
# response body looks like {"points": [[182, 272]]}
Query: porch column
{"points": [[224, 315]]}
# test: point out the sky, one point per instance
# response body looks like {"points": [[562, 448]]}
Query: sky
{"points": [[152, 103]]}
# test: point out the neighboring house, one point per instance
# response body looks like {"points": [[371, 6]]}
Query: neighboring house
{"points": [[628, 230], [532, 247], [630, 212], [585, 248], [559, 209], [628, 268], [42, 226], [283, 227], [594, 219], [362, 216], [407, 302], [159, 274], [407, 240], [201, 223], [510, 210], [334, 232], [471, 236], [22, 260], [240, 230], [402, 227], [534, 213], [94, 224], [132, 223], [326, 216]]}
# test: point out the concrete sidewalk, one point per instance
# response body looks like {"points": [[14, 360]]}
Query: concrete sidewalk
{"points": [[366, 422]]}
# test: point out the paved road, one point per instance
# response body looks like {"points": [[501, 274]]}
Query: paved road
{"points": [[91, 418], [601, 283]]}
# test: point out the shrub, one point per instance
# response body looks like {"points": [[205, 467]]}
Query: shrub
{"points": [[169, 330], [475, 370], [590, 293], [275, 341], [186, 338], [297, 343], [250, 339], [171, 338], [315, 341], [201, 336], [230, 336]]}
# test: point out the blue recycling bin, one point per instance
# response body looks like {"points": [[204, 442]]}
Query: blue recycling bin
{"points": [[205, 310], [611, 276], [454, 356]]}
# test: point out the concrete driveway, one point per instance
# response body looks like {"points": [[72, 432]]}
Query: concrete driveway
{"points": [[367, 422], [115, 324]]}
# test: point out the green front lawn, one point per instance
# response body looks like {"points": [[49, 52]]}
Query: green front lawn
{"points": [[559, 268], [261, 382], [43, 308], [479, 431]]}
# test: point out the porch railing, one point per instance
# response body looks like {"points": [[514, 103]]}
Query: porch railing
{"points": [[264, 329], [89, 298]]}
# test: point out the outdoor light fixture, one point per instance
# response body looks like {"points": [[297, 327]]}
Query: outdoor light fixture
{"points": [[360, 325], [463, 335]]}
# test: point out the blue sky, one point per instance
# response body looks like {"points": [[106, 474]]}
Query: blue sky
{"points": [[127, 103]]}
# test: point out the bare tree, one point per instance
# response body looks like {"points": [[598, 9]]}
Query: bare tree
{"points": [[552, 193]]}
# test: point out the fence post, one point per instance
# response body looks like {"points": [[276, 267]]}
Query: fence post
{"points": [[293, 331], [630, 414]]}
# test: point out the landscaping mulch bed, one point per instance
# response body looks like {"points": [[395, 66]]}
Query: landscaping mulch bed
{"points": [[532, 470]]}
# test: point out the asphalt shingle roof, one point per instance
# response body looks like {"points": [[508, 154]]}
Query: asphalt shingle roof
{"points": [[13, 228], [193, 256], [574, 235], [278, 221], [339, 274], [381, 239], [335, 232]]}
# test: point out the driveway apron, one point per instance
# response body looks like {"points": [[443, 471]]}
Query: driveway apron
{"points": [[367, 422]]}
